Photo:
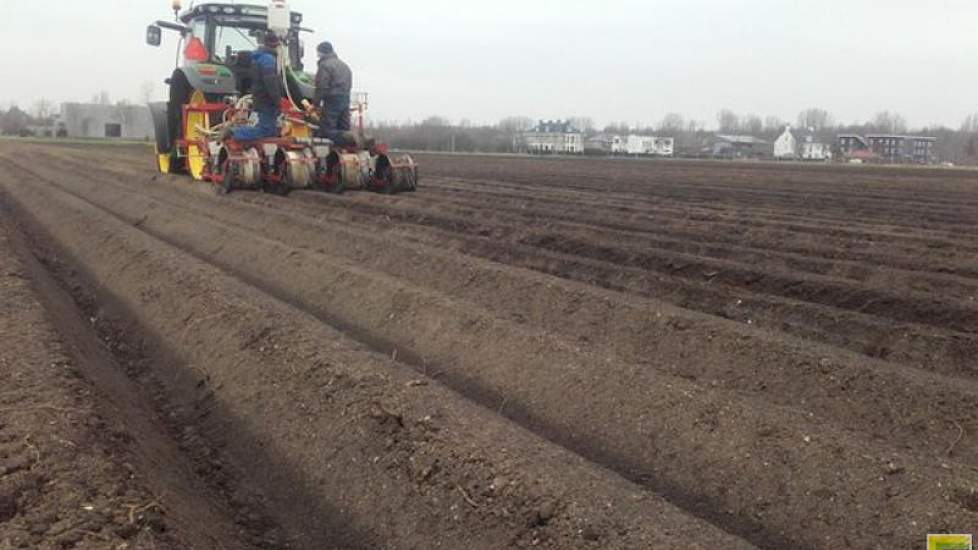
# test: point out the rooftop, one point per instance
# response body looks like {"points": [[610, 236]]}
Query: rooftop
{"points": [[899, 136], [554, 127]]}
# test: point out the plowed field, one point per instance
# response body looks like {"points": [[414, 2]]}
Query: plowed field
{"points": [[525, 353]]}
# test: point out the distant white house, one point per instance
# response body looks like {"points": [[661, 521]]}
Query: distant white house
{"points": [[800, 145], [554, 137], [664, 146], [631, 145], [786, 146], [650, 146], [815, 150], [637, 145], [619, 145]]}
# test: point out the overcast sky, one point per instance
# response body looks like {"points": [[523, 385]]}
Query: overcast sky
{"points": [[613, 60]]}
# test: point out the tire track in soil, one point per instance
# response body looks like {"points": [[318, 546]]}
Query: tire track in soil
{"points": [[692, 429]]}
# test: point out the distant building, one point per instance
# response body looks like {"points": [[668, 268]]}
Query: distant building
{"points": [[740, 147], [638, 145], [663, 146], [619, 145], [889, 148], [800, 145], [650, 146], [816, 150], [554, 137], [786, 146], [86, 120], [897, 149], [850, 143], [604, 144], [921, 149], [631, 145]]}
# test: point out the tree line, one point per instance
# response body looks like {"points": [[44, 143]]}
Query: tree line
{"points": [[693, 137], [436, 133]]}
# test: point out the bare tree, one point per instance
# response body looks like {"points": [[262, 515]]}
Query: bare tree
{"points": [[512, 129], [816, 119], [618, 128], [516, 124], [774, 125], [889, 122], [728, 121], [672, 123], [752, 125], [436, 121], [14, 122], [43, 109], [582, 123], [970, 124]]}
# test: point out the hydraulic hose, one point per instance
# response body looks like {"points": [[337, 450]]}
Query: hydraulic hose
{"points": [[283, 60]]}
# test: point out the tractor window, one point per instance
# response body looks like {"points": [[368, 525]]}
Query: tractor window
{"points": [[233, 40], [196, 44], [198, 28]]}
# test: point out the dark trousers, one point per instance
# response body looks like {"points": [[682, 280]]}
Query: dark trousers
{"points": [[336, 116]]}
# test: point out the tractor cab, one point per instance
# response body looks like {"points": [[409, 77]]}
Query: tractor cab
{"points": [[216, 43], [227, 34]]}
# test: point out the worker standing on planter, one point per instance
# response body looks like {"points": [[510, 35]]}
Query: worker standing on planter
{"points": [[334, 81], [266, 92]]}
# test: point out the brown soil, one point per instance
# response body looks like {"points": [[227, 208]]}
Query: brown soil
{"points": [[85, 462], [784, 352]]}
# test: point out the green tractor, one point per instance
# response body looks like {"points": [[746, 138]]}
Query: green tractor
{"points": [[214, 73]]}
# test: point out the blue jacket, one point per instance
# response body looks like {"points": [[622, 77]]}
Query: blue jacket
{"points": [[266, 87]]}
